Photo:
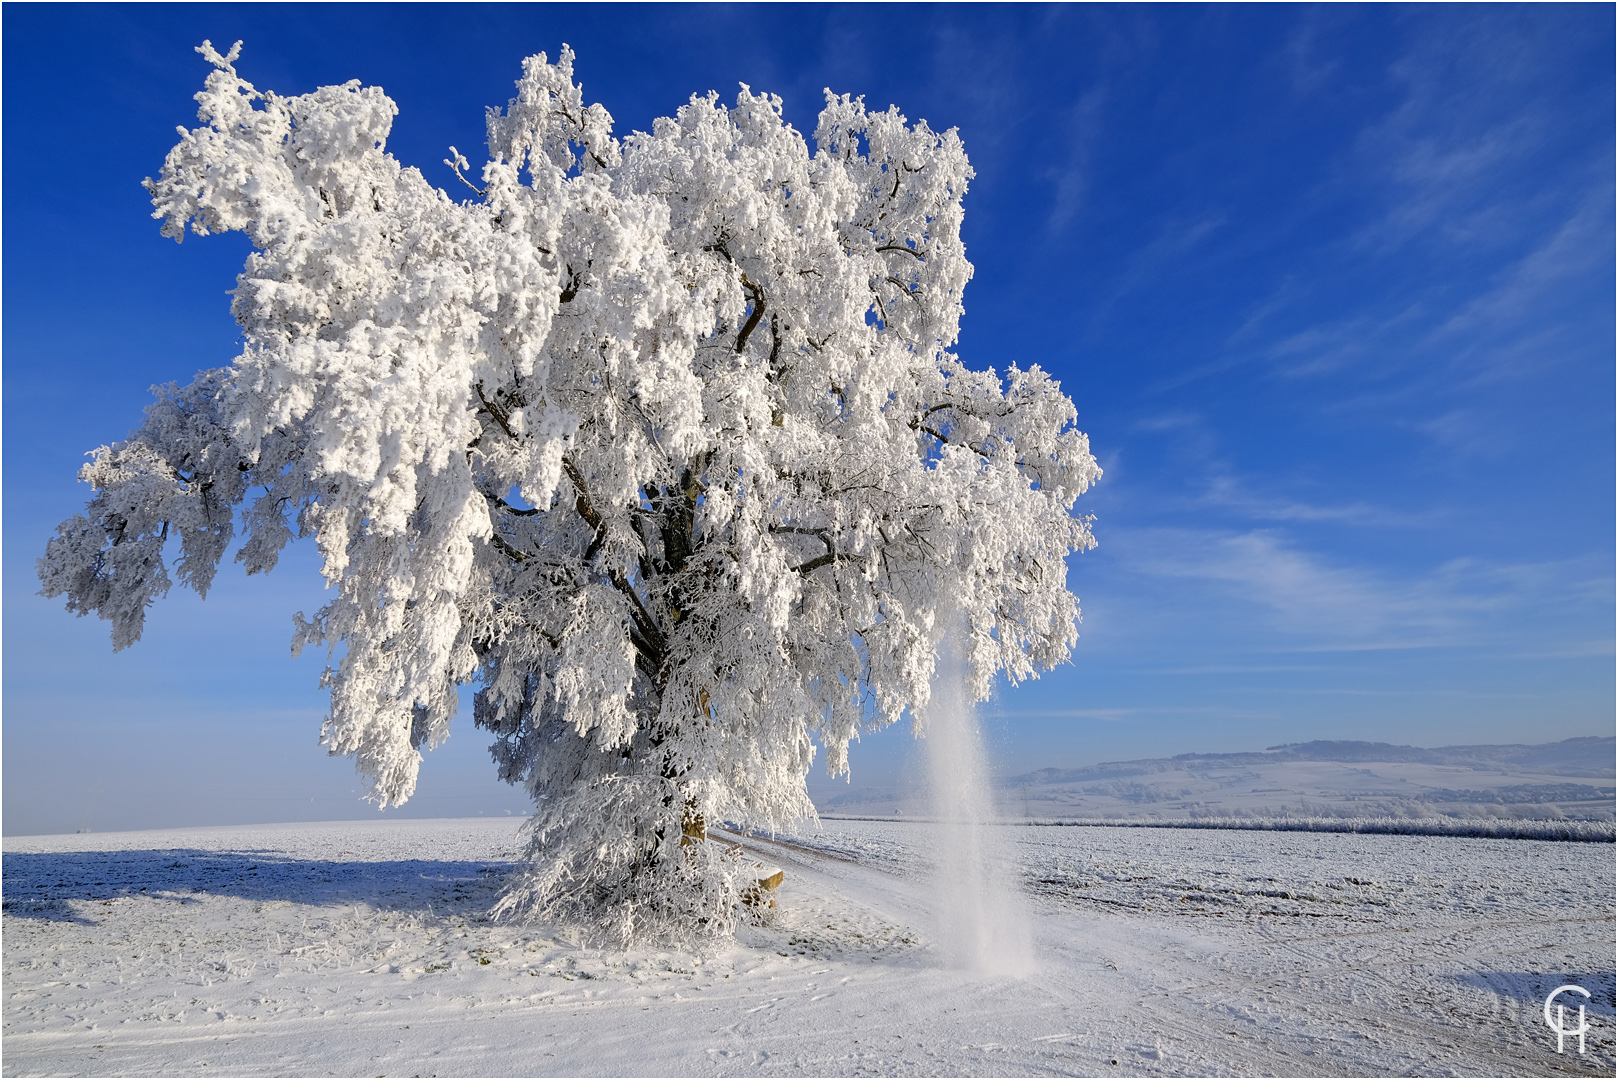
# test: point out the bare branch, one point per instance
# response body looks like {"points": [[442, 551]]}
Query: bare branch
{"points": [[499, 543], [757, 295], [822, 560], [941, 438], [719, 247], [819, 534], [500, 415], [508, 508], [571, 289], [592, 517], [457, 163]]}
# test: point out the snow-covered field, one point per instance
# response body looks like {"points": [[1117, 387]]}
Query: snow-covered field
{"points": [[364, 949]]}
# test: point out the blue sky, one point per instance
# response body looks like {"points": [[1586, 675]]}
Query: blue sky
{"points": [[1331, 287]]}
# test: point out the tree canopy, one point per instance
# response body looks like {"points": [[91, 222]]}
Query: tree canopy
{"points": [[659, 441]]}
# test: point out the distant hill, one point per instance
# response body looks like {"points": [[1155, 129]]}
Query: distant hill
{"points": [[1561, 781], [1589, 756]]}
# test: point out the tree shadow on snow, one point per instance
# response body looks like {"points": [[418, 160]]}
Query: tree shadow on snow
{"points": [[1531, 987], [45, 885]]}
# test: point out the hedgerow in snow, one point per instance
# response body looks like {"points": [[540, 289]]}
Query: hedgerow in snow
{"points": [[657, 440]]}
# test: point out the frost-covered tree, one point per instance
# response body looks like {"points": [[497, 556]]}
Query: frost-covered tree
{"points": [[658, 441]]}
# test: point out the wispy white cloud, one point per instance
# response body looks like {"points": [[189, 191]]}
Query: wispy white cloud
{"points": [[1581, 246], [1258, 569], [1390, 692], [1470, 173], [1175, 420], [1308, 62], [1469, 115], [1465, 432], [1259, 585], [1238, 669], [1173, 240], [1234, 495], [1081, 133], [1216, 485], [1128, 714]]}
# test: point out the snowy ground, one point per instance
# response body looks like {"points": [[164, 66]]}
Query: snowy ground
{"points": [[363, 949]]}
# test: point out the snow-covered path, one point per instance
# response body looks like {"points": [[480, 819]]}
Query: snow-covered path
{"points": [[363, 949]]}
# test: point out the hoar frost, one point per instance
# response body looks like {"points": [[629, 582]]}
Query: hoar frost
{"points": [[657, 440]]}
